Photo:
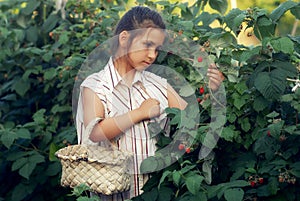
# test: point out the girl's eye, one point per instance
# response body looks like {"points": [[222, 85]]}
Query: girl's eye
{"points": [[148, 45], [159, 48]]}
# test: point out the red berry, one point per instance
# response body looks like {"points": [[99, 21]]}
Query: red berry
{"points": [[181, 146], [252, 183], [261, 180], [201, 90], [188, 150], [269, 133], [199, 100], [200, 59]]}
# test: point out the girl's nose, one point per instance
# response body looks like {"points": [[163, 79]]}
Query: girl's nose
{"points": [[152, 53]]}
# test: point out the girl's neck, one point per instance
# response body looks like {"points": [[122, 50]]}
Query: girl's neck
{"points": [[125, 70]]}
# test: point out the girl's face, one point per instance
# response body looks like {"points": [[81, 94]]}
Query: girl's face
{"points": [[144, 48]]}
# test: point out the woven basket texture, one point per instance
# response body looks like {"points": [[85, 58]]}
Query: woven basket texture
{"points": [[104, 169]]}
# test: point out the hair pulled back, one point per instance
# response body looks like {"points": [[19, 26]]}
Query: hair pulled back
{"points": [[136, 18]]}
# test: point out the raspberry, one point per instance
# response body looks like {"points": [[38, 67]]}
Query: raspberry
{"points": [[201, 90], [181, 146], [199, 100], [269, 133], [261, 180], [252, 183], [200, 59], [188, 150]]}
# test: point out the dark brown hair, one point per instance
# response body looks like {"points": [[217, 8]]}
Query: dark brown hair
{"points": [[136, 18]]}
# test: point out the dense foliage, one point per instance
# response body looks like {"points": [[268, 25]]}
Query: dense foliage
{"points": [[257, 155]]}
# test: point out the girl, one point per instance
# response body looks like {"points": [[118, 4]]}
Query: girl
{"points": [[117, 103]]}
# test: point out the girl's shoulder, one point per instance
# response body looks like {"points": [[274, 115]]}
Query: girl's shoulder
{"points": [[94, 80], [152, 77]]}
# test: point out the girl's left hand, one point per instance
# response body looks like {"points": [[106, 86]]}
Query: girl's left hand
{"points": [[215, 77]]}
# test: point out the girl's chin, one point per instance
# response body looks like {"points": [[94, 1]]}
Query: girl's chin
{"points": [[141, 68]]}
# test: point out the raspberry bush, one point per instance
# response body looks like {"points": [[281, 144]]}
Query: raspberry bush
{"points": [[256, 149]]}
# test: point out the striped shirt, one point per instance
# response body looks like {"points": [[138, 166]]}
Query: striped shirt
{"points": [[119, 98]]}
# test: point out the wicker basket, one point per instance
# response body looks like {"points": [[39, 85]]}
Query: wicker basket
{"points": [[103, 169]]}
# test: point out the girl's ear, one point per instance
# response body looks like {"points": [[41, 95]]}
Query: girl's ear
{"points": [[123, 39]]}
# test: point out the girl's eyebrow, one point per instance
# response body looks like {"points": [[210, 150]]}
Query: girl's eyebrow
{"points": [[153, 43]]}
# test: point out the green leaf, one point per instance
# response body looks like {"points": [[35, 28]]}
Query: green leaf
{"points": [[50, 74], [50, 23], [220, 189], [281, 9], [38, 117], [23, 133], [219, 5], [32, 34], [176, 177], [18, 164], [222, 40], [186, 25], [30, 7], [63, 38], [296, 11], [26, 170], [21, 191], [53, 169], [241, 87], [162, 179], [48, 56], [229, 133], [270, 85], [84, 198], [245, 124], [31, 162], [283, 44], [186, 91], [264, 21], [52, 149], [80, 189], [150, 164], [260, 103], [273, 114], [151, 195], [236, 16], [239, 100], [263, 32], [8, 138], [165, 194], [193, 183], [287, 98], [234, 194], [21, 87]]}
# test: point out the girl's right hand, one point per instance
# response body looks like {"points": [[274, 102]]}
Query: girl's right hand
{"points": [[150, 108]]}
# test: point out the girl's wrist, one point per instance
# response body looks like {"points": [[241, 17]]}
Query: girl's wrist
{"points": [[137, 115]]}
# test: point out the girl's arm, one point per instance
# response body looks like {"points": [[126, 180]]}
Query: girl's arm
{"points": [[109, 128], [174, 100]]}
